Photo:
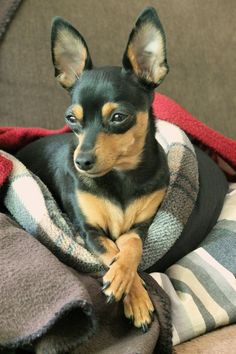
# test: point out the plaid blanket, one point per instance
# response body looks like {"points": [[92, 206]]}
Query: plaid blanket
{"points": [[32, 205], [199, 304]]}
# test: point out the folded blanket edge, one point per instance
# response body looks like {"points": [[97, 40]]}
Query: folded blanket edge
{"points": [[28, 340]]}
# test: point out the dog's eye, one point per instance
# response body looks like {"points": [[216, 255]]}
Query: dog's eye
{"points": [[71, 119], [118, 118]]}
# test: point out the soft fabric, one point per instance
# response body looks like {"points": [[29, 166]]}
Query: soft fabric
{"points": [[167, 109], [38, 293], [31, 204], [48, 307], [181, 195], [8, 9], [204, 215], [221, 341], [14, 138], [202, 285], [115, 336]]}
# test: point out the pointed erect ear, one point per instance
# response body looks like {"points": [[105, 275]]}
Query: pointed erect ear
{"points": [[145, 53], [70, 53]]}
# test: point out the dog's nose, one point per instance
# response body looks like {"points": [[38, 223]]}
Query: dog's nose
{"points": [[85, 161]]}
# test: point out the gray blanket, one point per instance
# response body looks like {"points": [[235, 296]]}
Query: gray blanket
{"points": [[48, 307]]}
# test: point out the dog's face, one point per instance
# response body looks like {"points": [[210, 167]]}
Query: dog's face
{"points": [[109, 110]]}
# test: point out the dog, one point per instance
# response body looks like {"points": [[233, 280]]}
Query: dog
{"points": [[109, 174]]}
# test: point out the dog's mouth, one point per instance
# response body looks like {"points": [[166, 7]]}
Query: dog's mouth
{"points": [[97, 173], [102, 172], [93, 173], [120, 163]]}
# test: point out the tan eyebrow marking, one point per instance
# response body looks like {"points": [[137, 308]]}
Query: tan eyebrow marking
{"points": [[78, 111], [108, 107]]}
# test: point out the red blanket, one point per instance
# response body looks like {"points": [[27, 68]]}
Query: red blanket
{"points": [[223, 148]]}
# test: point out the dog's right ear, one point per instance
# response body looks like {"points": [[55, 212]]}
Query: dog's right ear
{"points": [[70, 53]]}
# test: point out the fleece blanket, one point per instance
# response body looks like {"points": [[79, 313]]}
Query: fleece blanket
{"points": [[224, 151], [47, 307]]}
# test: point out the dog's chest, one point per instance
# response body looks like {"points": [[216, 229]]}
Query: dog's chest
{"points": [[104, 214]]}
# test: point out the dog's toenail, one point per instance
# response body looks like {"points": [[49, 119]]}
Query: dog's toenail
{"points": [[145, 327], [145, 286], [151, 315], [123, 296], [110, 299], [113, 261], [131, 319], [106, 285]]}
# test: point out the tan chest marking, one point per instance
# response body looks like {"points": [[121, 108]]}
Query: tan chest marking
{"points": [[102, 213]]}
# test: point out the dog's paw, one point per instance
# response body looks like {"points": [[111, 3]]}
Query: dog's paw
{"points": [[138, 306], [118, 279]]}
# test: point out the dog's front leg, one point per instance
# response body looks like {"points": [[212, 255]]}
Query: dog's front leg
{"points": [[122, 280], [100, 245], [121, 258], [119, 278]]}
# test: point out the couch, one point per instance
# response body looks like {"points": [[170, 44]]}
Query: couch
{"points": [[201, 52]]}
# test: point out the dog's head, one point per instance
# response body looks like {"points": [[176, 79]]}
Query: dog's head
{"points": [[110, 106]]}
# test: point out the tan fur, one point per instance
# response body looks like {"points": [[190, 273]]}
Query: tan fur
{"points": [[102, 213], [118, 151], [122, 272], [107, 108], [130, 241], [80, 142], [111, 250], [137, 303], [122, 151], [132, 55], [124, 279], [78, 112]]}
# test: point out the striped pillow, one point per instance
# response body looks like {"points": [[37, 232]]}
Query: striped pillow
{"points": [[202, 285]]}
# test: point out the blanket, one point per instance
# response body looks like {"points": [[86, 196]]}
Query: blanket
{"points": [[47, 307], [13, 138], [204, 215], [202, 285], [32, 205]]}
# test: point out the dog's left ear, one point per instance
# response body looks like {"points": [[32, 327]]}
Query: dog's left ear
{"points": [[145, 54]]}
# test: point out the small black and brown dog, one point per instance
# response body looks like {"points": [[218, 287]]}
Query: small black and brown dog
{"points": [[111, 175]]}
